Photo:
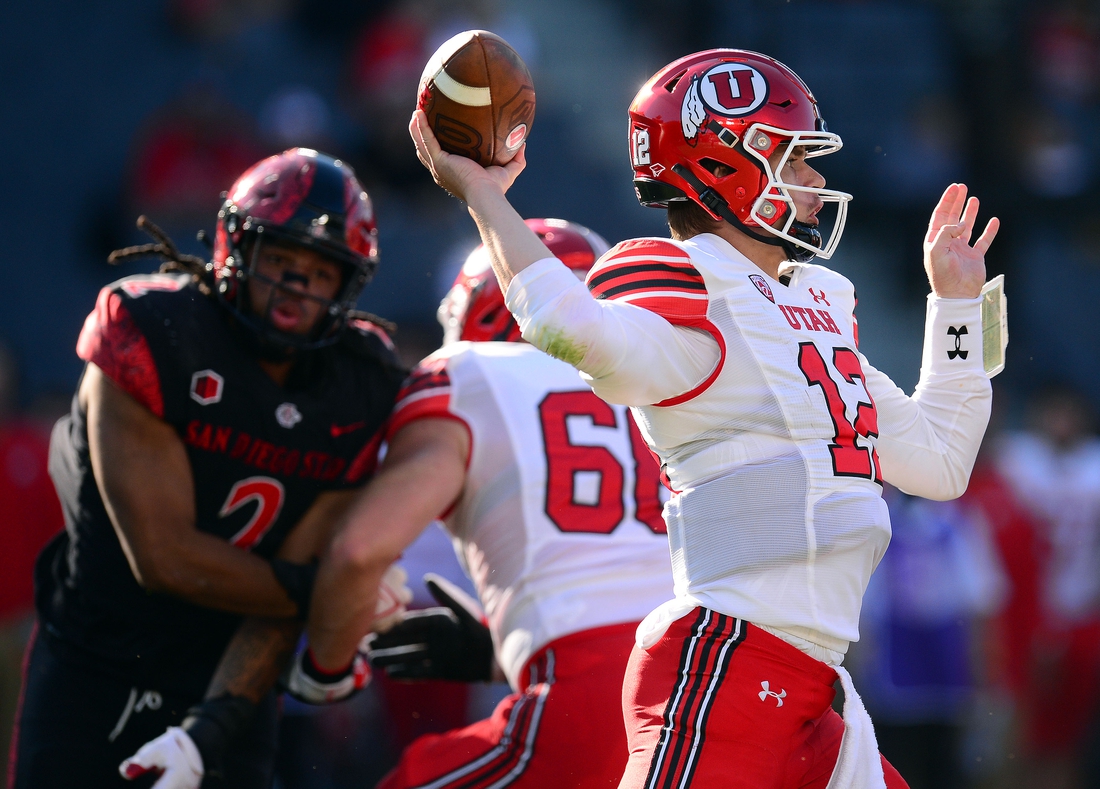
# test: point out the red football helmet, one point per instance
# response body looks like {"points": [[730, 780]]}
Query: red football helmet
{"points": [[474, 307], [308, 199], [736, 108]]}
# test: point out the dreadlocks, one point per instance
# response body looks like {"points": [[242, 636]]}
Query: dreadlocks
{"points": [[174, 260]]}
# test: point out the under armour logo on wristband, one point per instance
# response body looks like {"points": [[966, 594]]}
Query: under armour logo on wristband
{"points": [[957, 334], [767, 691]]}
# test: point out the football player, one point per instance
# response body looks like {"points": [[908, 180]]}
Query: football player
{"points": [[554, 504], [740, 360], [226, 417]]}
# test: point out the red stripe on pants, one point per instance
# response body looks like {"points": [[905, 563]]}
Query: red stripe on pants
{"points": [[765, 723]]}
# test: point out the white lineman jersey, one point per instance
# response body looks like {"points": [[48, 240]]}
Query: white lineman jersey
{"points": [[559, 524]]}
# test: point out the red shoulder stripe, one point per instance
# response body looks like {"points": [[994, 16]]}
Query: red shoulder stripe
{"points": [[424, 406], [628, 278], [651, 247], [656, 271], [113, 342], [425, 393], [427, 376], [675, 310]]}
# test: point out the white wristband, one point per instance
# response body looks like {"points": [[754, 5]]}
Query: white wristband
{"points": [[953, 335]]}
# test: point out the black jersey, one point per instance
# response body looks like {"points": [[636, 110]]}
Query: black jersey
{"points": [[260, 455]]}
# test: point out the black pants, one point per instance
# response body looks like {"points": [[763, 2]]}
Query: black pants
{"points": [[78, 722]]}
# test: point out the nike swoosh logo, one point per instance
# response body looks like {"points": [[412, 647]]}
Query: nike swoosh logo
{"points": [[339, 430]]}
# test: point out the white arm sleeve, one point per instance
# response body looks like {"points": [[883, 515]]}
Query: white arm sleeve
{"points": [[928, 442], [629, 355]]}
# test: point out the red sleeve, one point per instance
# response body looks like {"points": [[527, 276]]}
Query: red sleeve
{"points": [[655, 275], [112, 341], [425, 393]]}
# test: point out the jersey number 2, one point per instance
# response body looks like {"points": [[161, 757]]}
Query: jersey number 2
{"points": [[564, 461], [268, 494], [849, 458]]}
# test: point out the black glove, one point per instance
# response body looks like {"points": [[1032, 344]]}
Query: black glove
{"points": [[213, 726], [437, 643]]}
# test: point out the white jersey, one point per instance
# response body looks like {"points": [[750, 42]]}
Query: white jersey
{"points": [[559, 524], [778, 442]]}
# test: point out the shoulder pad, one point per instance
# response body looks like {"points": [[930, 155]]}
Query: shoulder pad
{"points": [[369, 339], [652, 273], [138, 285]]}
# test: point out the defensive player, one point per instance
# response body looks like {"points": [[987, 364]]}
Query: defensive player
{"points": [[554, 504], [224, 421], [740, 361]]}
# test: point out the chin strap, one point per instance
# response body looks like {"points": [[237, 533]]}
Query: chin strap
{"points": [[714, 202], [808, 234]]}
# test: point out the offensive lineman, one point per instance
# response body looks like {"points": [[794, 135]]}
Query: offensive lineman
{"points": [[553, 501], [740, 361], [224, 421]]}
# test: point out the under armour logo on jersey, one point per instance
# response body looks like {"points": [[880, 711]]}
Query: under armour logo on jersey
{"points": [[957, 334], [288, 415], [767, 691], [820, 297]]}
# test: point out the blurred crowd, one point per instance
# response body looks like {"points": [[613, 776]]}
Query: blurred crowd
{"points": [[980, 656]]}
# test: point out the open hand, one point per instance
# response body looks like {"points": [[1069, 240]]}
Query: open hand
{"points": [[956, 270], [459, 175]]}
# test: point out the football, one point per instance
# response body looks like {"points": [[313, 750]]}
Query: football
{"points": [[478, 96]]}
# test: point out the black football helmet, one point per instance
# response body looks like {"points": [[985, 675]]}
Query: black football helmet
{"points": [[303, 198]]}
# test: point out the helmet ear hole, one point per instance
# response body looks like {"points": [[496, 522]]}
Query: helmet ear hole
{"points": [[716, 168]]}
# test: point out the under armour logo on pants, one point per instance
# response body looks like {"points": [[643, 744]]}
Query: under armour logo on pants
{"points": [[767, 691]]}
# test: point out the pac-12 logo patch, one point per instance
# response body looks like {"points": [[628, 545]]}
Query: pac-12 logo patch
{"points": [[762, 286], [206, 387]]}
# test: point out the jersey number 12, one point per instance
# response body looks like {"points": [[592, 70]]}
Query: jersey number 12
{"points": [[849, 458]]}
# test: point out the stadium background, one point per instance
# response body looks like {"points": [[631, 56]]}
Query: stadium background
{"points": [[112, 110]]}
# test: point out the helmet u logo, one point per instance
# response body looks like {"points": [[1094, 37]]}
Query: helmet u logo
{"points": [[724, 92]]}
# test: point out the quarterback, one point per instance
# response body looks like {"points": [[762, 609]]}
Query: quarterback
{"points": [[740, 361], [227, 414]]}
